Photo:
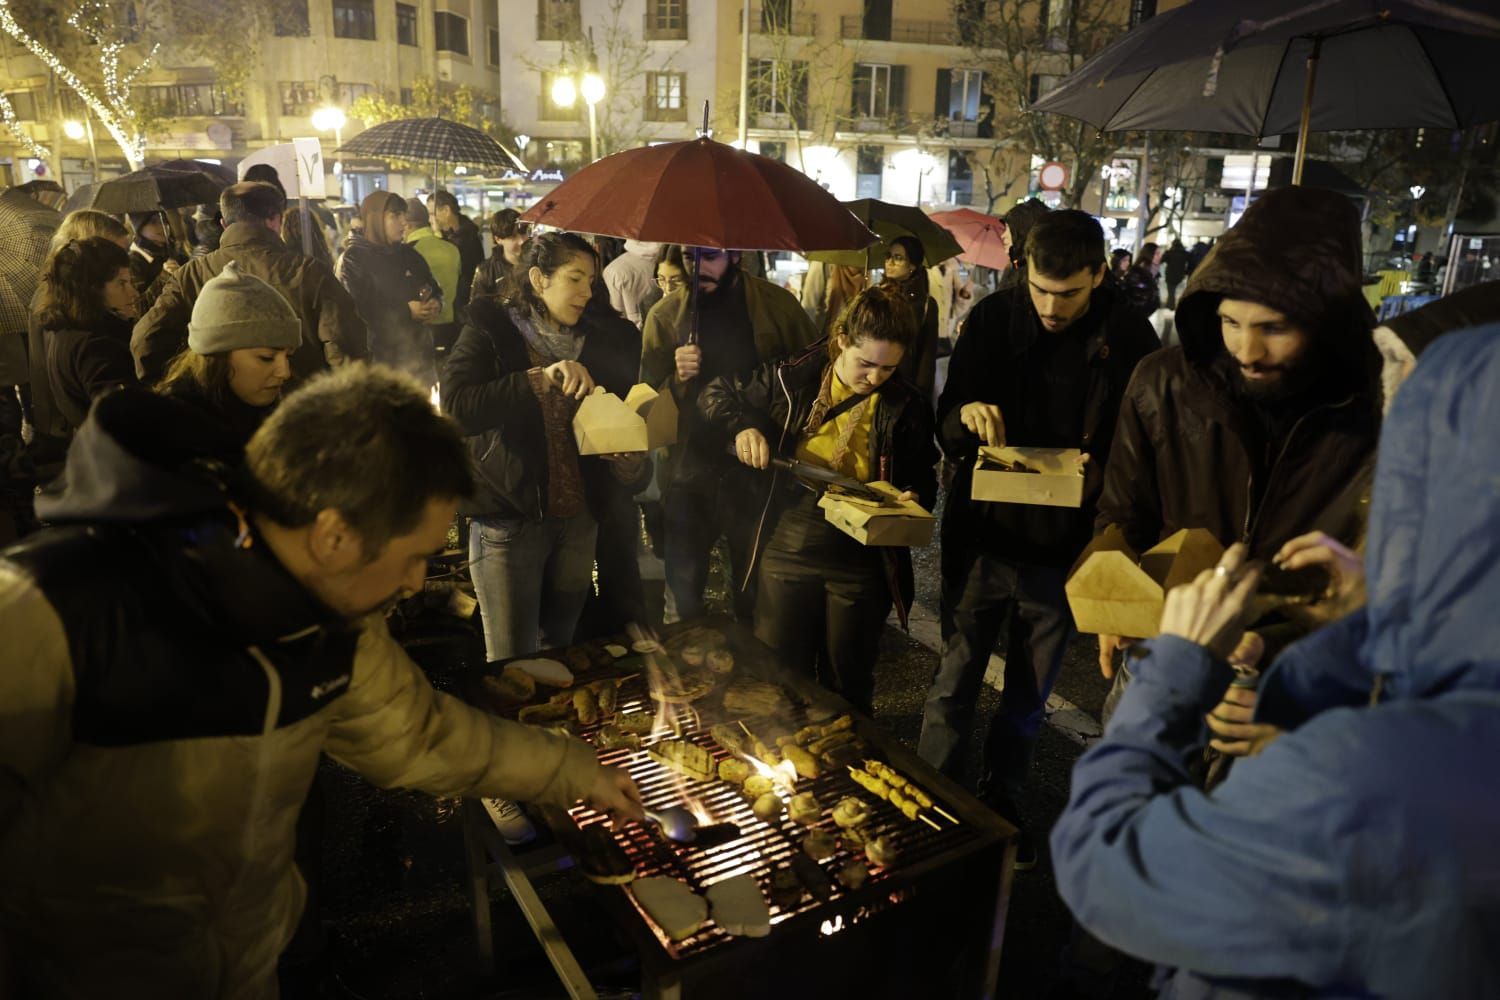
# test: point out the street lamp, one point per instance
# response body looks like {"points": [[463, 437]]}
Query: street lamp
{"points": [[75, 130], [330, 118], [926, 164], [565, 91]]}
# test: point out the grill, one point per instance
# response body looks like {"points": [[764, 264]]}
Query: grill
{"points": [[941, 902]]}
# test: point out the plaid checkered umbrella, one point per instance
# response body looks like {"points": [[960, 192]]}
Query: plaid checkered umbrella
{"points": [[427, 140], [26, 228]]}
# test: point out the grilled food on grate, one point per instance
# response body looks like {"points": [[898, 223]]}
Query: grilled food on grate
{"points": [[685, 758], [682, 686], [739, 908], [672, 906], [805, 809], [601, 858], [747, 697]]}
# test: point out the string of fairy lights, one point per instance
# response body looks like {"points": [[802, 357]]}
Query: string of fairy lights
{"points": [[114, 113]]}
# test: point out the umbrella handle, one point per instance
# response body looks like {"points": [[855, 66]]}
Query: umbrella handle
{"points": [[692, 336]]}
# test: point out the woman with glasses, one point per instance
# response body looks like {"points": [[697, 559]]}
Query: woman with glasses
{"points": [[671, 271]]}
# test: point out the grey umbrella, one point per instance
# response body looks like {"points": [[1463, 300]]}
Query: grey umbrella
{"points": [[1294, 66], [150, 189]]}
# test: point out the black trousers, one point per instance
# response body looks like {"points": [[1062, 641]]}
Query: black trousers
{"points": [[823, 603], [697, 513], [983, 596]]}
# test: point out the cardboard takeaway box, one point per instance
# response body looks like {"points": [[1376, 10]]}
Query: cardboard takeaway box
{"points": [[1112, 592], [871, 524], [1058, 481], [605, 424]]}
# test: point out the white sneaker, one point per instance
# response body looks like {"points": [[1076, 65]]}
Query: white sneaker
{"points": [[510, 819]]}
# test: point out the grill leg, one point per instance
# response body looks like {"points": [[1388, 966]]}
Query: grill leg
{"points": [[479, 886]]}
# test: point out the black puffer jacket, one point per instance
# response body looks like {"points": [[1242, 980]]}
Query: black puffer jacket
{"points": [[383, 279], [486, 389], [1189, 451], [996, 360], [777, 398]]}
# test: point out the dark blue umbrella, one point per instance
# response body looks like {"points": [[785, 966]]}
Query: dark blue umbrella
{"points": [[1293, 66]]}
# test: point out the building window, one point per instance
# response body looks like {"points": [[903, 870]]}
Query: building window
{"points": [[872, 90], [348, 93], [1056, 22], [869, 171], [298, 98], [1043, 84], [553, 112], [963, 94], [452, 32], [406, 24], [557, 20], [666, 20], [188, 100], [23, 103], [779, 88], [493, 50], [774, 151], [664, 101], [288, 19], [354, 19], [404, 97], [960, 178]]}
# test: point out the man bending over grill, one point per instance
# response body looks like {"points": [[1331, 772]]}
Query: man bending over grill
{"points": [[181, 645]]}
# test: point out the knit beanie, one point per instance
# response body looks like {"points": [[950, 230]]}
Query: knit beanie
{"points": [[236, 311]]}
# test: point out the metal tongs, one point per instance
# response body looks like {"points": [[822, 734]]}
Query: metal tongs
{"points": [[681, 826]]}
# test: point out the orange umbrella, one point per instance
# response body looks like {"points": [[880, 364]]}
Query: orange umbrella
{"points": [[982, 237]]}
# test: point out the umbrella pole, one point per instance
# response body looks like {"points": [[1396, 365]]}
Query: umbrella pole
{"points": [[306, 228], [692, 337], [1307, 97]]}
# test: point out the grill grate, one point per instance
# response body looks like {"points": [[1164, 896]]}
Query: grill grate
{"points": [[762, 848]]}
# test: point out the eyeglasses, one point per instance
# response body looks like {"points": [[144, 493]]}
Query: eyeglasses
{"points": [[671, 284]]}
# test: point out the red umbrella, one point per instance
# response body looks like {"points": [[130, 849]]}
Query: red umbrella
{"points": [[982, 237], [701, 193]]}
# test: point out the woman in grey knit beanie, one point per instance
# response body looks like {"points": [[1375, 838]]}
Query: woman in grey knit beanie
{"points": [[240, 338]]}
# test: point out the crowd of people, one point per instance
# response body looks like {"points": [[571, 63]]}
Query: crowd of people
{"points": [[241, 467]]}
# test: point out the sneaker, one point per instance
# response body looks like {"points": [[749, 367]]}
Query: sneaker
{"points": [[1026, 853], [510, 819]]}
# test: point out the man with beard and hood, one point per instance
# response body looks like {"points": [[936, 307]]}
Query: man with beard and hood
{"points": [[181, 645], [1355, 855], [1041, 366], [743, 322], [1261, 426]]}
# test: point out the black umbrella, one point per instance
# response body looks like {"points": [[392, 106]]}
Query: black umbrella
{"points": [[889, 221], [1296, 66], [430, 140], [151, 189], [215, 170]]}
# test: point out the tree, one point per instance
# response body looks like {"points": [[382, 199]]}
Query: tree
{"points": [[96, 22], [798, 83], [1023, 48]]}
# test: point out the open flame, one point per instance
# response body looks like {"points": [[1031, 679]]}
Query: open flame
{"points": [[783, 775]]}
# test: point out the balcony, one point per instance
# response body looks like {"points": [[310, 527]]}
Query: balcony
{"points": [[665, 28], [763, 22], [560, 25], [852, 26]]}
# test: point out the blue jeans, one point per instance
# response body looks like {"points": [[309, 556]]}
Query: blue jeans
{"points": [[532, 579]]}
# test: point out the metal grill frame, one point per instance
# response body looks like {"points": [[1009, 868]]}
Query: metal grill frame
{"points": [[956, 875]]}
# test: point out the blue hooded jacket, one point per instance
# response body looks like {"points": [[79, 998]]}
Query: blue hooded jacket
{"points": [[1359, 854]]}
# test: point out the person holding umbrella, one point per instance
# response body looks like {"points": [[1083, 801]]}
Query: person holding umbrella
{"points": [[745, 322], [841, 405], [152, 251]]}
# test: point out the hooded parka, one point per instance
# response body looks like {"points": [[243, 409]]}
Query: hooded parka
{"points": [[1355, 856], [1189, 450]]}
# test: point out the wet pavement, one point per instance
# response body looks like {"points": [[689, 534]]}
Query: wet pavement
{"points": [[393, 893]]}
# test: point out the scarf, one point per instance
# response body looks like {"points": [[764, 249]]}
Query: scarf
{"points": [[546, 337]]}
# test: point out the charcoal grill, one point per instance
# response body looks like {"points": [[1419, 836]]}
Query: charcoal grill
{"points": [[935, 916]]}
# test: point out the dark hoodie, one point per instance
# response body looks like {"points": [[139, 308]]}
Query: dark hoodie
{"points": [[384, 278], [1192, 450]]}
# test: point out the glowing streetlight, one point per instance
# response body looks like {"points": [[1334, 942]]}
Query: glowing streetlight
{"points": [[76, 130], [330, 118], [564, 90], [73, 129], [1417, 191], [593, 87]]}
